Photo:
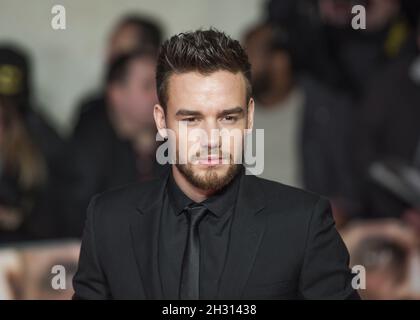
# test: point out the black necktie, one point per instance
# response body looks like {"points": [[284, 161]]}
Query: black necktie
{"points": [[190, 274]]}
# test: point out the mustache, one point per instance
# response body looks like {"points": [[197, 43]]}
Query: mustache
{"points": [[204, 154]]}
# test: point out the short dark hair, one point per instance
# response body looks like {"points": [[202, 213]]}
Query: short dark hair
{"points": [[118, 69], [203, 51]]}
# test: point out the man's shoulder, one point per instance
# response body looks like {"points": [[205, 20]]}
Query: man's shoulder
{"points": [[128, 196], [282, 200], [291, 209], [276, 191]]}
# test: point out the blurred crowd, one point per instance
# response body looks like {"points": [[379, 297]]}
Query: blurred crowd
{"points": [[340, 108]]}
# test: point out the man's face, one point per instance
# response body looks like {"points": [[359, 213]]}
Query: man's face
{"points": [[132, 101], [204, 103]]}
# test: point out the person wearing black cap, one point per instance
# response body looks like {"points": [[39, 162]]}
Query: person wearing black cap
{"points": [[29, 153]]}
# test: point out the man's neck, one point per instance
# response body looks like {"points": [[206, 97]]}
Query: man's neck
{"points": [[192, 192]]}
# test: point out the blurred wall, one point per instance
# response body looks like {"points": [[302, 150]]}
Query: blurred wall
{"points": [[67, 64]]}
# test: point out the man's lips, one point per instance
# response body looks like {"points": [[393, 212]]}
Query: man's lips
{"points": [[210, 160]]}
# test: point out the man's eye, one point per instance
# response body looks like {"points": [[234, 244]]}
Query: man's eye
{"points": [[229, 118], [190, 120]]}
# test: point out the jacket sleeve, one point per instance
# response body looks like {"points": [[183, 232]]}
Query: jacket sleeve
{"points": [[325, 271], [89, 281]]}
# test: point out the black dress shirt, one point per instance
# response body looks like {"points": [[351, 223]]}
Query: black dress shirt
{"points": [[214, 232]]}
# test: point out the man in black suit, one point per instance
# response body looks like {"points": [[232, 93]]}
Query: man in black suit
{"points": [[207, 229]]}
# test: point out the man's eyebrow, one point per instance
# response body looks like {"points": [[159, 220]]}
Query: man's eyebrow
{"points": [[237, 110], [185, 112]]}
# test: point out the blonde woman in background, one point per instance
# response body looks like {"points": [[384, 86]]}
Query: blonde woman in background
{"points": [[29, 156]]}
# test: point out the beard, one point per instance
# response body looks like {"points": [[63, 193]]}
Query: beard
{"points": [[211, 179]]}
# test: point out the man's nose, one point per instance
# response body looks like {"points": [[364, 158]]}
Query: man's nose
{"points": [[211, 139]]}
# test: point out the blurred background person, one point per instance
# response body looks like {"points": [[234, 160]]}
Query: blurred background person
{"points": [[344, 67], [29, 154], [389, 131], [113, 141], [132, 32], [120, 146], [306, 125]]}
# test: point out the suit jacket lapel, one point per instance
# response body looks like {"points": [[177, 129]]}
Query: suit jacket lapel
{"points": [[246, 234], [144, 230]]}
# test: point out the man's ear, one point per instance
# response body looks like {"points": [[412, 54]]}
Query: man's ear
{"points": [[160, 120], [251, 107]]}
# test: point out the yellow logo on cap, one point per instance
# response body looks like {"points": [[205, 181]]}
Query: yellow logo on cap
{"points": [[10, 79]]}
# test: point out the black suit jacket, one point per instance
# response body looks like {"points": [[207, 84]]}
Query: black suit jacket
{"points": [[283, 245]]}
